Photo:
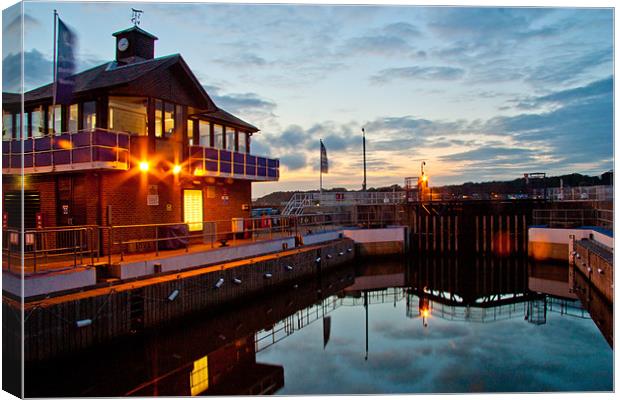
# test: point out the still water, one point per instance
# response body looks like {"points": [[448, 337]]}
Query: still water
{"points": [[439, 325]]}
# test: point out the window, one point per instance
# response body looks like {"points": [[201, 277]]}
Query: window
{"points": [[38, 122], [192, 209], [73, 118], [26, 125], [204, 129], [218, 131], [18, 127], [169, 119], [7, 125], [230, 138], [199, 377], [89, 115], [159, 123], [54, 119], [190, 132], [242, 139], [128, 114]]}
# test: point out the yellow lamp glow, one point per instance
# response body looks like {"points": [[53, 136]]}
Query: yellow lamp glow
{"points": [[424, 178], [144, 166], [176, 169], [425, 312], [199, 172]]}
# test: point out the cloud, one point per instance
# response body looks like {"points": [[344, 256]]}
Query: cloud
{"points": [[294, 161], [436, 73], [36, 68]]}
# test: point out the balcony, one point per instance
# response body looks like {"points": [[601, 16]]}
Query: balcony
{"points": [[207, 161], [82, 150]]}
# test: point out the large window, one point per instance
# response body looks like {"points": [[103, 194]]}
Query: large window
{"points": [[218, 132], [73, 118], [243, 142], [38, 122], [169, 119], [7, 125], [192, 209], [230, 139], [54, 119], [165, 119], [204, 129], [190, 132], [159, 122], [89, 115], [128, 114]]}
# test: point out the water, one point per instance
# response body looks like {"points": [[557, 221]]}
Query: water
{"points": [[386, 326]]}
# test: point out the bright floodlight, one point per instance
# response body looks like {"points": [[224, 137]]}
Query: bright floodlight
{"points": [[176, 169], [144, 166]]}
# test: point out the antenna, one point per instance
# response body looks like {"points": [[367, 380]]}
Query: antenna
{"points": [[135, 16]]}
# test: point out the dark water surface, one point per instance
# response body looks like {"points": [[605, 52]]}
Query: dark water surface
{"points": [[384, 326]]}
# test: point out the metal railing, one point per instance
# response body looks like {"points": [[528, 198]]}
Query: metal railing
{"points": [[49, 249], [67, 150], [299, 201], [568, 218], [580, 193]]}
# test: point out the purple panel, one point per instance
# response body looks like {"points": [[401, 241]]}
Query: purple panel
{"points": [[81, 155], [261, 171], [103, 154], [43, 144], [262, 162], [196, 152], [123, 156], [16, 161], [104, 138], [16, 146], [250, 170], [5, 147], [210, 154], [28, 160], [238, 158], [123, 141], [250, 160], [196, 164], [81, 139], [272, 172], [62, 142], [272, 163], [28, 145], [225, 155], [6, 161], [225, 167], [211, 165], [61, 157], [238, 169], [43, 159]]}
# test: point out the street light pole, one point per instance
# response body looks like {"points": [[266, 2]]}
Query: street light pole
{"points": [[364, 151]]}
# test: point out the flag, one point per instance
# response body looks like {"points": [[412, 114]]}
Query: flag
{"points": [[324, 163], [65, 64]]}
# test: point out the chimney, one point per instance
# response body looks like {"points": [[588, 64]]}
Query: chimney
{"points": [[133, 45]]}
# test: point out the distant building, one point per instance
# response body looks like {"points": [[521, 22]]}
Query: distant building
{"points": [[141, 143]]}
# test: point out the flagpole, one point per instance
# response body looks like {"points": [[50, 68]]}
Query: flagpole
{"points": [[55, 76], [321, 170]]}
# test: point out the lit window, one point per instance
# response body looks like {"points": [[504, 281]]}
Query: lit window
{"points": [[190, 132], [230, 139], [38, 123], [242, 139], [73, 118], [128, 114], [192, 209], [169, 117], [199, 377], [7, 125], [54, 119], [89, 119], [159, 123]]}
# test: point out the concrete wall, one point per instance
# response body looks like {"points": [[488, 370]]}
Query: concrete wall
{"points": [[553, 243], [36, 285], [377, 241]]}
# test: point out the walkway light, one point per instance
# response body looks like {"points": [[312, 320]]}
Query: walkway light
{"points": [[289, 267], [219, 283], [267, 275], [83, 322], [176, 169], [144, 166], [173, 295], [237, 281]]}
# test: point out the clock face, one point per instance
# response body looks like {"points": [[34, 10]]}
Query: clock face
{"points": [[123, 44]]}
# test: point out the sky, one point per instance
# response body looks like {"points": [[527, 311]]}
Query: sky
{"points": [[479, 94]]}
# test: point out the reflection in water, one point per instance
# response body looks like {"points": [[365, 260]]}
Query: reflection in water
{"points": [[469, 309]]}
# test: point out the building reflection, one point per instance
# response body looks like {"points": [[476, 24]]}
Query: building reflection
{"points": [[600, 310]]}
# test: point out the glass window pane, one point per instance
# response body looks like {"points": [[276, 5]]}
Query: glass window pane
{"points": [[54, 119], [169, 117], [242, 142], [204, 129], [218, 131], [73, 118], [89, 119], [230, 139], [26, 125], [18, 128], [192, 209], [159, 126], [190, 132], [38, 123], [7, 125], [128, 114]]}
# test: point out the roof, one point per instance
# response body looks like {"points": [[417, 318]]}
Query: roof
{"points": [[225, 116], [135, 29]]}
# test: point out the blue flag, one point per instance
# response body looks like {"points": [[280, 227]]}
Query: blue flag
{"points": [[324, 163], [65, 64]]}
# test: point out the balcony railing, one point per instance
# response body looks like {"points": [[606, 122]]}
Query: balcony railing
{"points": [[86, 149], [207, 161]]}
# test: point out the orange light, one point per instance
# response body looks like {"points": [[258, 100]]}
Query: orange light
{"points": [[144, 166], [425, 313], [424, 178], [199, 172], [176, 169]]}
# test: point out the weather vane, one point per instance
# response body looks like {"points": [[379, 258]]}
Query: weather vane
{"points": [[135, 16]]}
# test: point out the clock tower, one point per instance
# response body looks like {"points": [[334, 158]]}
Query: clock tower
{"points": [[133, 45]]}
